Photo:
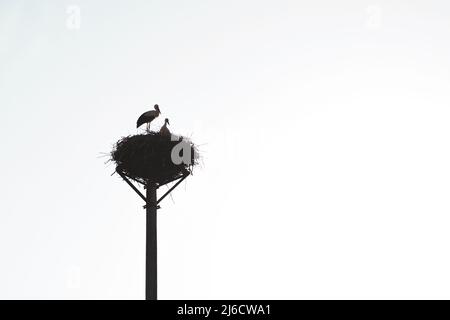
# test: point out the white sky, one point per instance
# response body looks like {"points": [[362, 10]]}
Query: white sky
{"points": [[323, 128]]}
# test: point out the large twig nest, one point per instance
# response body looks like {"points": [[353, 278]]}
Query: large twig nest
{"points": [[156, 158]]}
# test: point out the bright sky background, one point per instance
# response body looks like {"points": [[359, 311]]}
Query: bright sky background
{"points": [[324, 131]]}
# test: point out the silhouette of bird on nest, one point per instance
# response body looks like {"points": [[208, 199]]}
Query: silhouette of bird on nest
{"points": [[164, 131], [148, 117]]}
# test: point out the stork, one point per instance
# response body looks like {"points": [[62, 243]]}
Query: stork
{"points": [[164, 131], [148, 117]]}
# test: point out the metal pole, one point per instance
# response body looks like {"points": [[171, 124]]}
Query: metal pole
{"points": [[151, 252]]}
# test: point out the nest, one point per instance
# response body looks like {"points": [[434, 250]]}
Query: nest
{"points": [[152, 157]]}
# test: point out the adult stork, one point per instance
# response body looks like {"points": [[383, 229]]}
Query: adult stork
{"points": [[164, 131], [148, 117]]}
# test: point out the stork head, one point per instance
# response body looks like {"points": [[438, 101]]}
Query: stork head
{"points": [[157, 108], [167, 121]]}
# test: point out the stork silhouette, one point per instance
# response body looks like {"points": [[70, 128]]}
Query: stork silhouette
{"points": [[148, 117]]}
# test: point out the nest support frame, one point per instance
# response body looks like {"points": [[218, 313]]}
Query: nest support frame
{"points": [[147, 201]]}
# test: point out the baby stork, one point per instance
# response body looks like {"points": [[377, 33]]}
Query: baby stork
{"points": [[164, 131], [148, 117]]}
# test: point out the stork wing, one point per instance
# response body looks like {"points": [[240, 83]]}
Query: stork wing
{"points": [[146, 117]]}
